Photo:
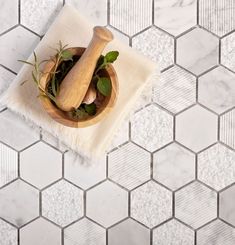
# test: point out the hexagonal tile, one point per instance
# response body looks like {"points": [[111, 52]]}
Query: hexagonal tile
{"points": [[37, 15], [131, 16], [93, 10], [152, 128], [216, 90], [173, 166], [83, 173], [173, 232], [13, 206], [40, 232], [197, 51], [8, 20], [129, 166], [107, 203], [84, 232], [195, 205], [196, 128], [62, 203], [226, 205], [227, 125], [216, 166], [156, 45], [16, 45], [176, 89], [151, 204], [217, 16], [8, 234], [40, 165], [175, 17], [128, 232], [216, 232]]}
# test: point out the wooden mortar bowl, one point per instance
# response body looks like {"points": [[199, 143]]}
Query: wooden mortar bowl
{"points": [[61, 116]]}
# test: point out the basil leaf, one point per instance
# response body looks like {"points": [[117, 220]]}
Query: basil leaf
{"points": [[91, 109], [111, 56], [104, 86]]}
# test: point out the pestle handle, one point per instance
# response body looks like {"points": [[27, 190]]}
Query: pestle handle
{"points": [[75, 85]]}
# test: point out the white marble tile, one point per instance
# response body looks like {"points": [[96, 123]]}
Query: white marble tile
{"points": [[8, 234], [107, 204], [19, 203], [62, 203], [175, 16], [197, 51], [151, 204], [156, 45], [196, 128], [6, 77], [129, 166], [195, 205]]}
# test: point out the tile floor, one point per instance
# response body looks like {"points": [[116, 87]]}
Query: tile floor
{"points": [[169, 177]]}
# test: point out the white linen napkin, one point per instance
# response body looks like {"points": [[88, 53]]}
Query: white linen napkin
{"points": [[134, 71]]}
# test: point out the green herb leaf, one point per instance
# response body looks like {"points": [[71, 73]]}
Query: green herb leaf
{"points": [[111, 56], [34, 78], [90, 109], [80, 113], [66, 55], [104, 86]]}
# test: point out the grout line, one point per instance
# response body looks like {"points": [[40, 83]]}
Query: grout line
{"points": [[19, 11]]}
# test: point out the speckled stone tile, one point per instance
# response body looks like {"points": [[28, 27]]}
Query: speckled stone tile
{"points": [[8, 234]]}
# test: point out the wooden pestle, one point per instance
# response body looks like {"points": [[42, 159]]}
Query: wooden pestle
{"points": [[75, 85]]}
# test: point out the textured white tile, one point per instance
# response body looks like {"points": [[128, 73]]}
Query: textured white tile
{"points": [[6, 77], [8, 165], [16, 45], [156, 45], [174, 166], [40, 165], [151, 204], [131, 16], [19, 203], [173, 232], [40, 232], [129, 232], [8, 234], [84, 232], [175, 16], [62, 203], [197, 51], [37, 15], [107, 204], [129, 166], [176, 89], [195, 205], [196, 128], [152, 128], [216, 166]]}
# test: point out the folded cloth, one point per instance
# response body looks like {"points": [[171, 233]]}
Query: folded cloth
{"points": [[134, 72]]}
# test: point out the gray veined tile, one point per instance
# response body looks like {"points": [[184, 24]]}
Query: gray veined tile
{"points": [[40, 165], [156, 45], [173, 166], [216, 89], [107, 204], [173, 233], [129, 232], [176, 89], [216, 233], [95, 11], [197, 51], [83, 173], [131, 16], [8, 234], [216, 166], [152, 128], [217, 16], [62, 203], [37, 15], [195, 205], [129, 165], [19, 203], [84, 232], [8, 165], [16, 45], [151, 204], [196, 128], [40, 232], [175, 16]]}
